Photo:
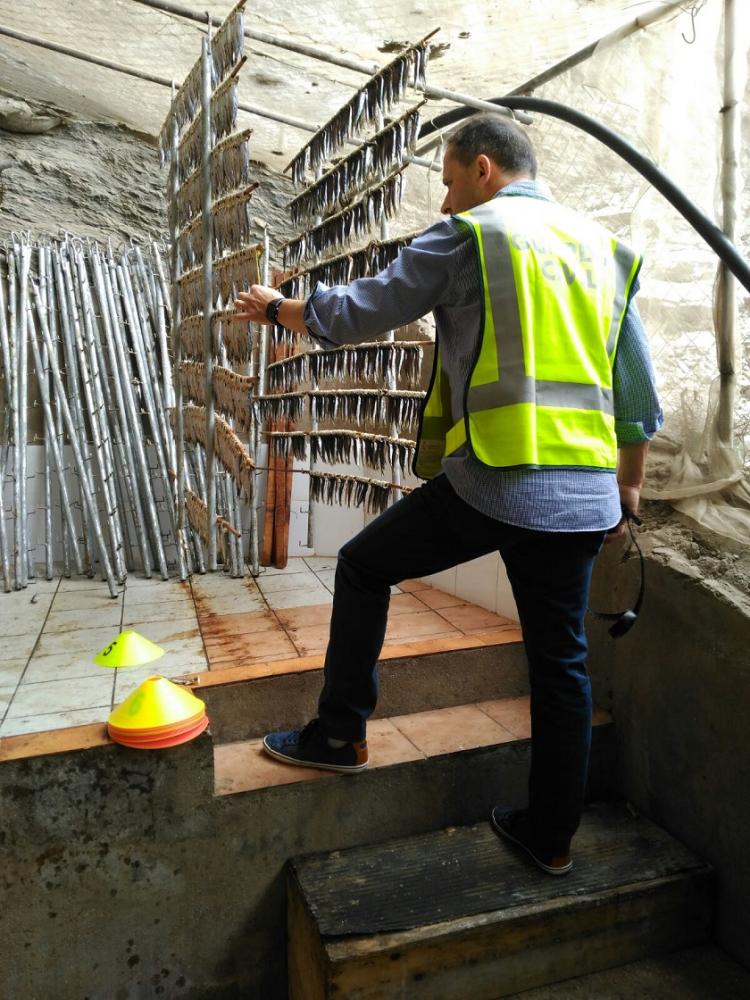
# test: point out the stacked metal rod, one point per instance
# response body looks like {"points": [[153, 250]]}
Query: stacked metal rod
{"points": [[83, 332], [343, 200], [209, 190]]}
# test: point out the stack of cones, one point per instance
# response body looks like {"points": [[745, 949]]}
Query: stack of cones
{"points": [[157, 714]]}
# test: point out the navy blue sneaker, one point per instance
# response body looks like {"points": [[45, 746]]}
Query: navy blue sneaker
{"points": [[309, 747], [512, 824]]}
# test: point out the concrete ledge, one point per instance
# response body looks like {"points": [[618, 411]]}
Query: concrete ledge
{"points": [[251, 708]]}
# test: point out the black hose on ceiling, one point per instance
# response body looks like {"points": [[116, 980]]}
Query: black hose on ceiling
{"points": [[707, 229]]}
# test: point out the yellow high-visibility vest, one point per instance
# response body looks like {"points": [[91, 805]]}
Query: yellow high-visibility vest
{"points": [[555, 287]]}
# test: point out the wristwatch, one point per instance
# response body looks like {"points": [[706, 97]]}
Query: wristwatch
{"points": [[272, 309]]}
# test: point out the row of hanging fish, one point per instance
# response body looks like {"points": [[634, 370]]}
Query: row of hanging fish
{"points": [[382, 200], [230, 170], [224, 107], [197, 513], [228, 448], [363, 362], [346, 267], [332, 446], [231, 274], [227, 47], [231, 228], [350, 405], [231, 338], [231, 390], [379, 154], [384, 89], [372, 494]]}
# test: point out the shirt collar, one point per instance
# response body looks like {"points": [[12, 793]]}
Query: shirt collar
{"points": [[527, 188]]}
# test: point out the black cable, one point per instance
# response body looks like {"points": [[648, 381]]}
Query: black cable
{"points": [[705, 228]]}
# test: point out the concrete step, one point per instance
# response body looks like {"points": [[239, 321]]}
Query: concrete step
{"points": [[459, 914], [286, 700], [702, 973]]}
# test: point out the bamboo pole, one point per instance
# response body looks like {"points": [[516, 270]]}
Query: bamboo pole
{"points": [[208, 298], [725, 290]]}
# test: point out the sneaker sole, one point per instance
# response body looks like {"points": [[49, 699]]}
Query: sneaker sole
{"points": [[540, 864], [340, 768]]}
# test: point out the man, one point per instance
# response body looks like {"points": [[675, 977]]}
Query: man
{"points": [[542, 373]]}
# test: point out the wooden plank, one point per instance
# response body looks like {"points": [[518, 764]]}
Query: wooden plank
{"points": [[459, 913], [305, 955]]}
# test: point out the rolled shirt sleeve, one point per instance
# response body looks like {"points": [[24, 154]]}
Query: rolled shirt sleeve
{"points": [[413, 284], [638, 415]]}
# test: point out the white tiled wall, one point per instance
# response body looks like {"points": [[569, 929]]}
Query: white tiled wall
{"points": [[483, 581]]}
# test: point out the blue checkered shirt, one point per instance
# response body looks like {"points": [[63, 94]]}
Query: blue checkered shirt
{"points": [[439, 272]]}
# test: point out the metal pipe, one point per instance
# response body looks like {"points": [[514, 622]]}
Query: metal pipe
{"points": [[174, 184], [7, 375], [52, 321], [71, 365], [92, 406], [208, 297], [120, 420], [98, 416], [109, 277], [18, 546], [148, 389], [50, 429], [88, 497], [725, 290]]}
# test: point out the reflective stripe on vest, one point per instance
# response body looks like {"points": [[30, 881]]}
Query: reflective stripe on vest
{"points": [[555, 291]]}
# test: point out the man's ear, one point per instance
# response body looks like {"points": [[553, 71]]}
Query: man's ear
{"points": [[484, 167]]}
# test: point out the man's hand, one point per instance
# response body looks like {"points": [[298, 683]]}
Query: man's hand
{"points": [[252, 305], [629, 498]]}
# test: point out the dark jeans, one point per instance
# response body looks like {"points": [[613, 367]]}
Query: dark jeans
{"points": [[430, 530]]}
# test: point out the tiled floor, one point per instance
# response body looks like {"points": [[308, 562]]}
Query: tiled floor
{"points": [[243, 766], [51, 632]]}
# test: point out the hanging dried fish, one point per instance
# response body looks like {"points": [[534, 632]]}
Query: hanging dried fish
{"points": [[284, 442], [193, 376], [284, 405], [369, 362], [237, 272], [403, 408], [227, 47], [229, 449], [283, 375], [232, 274], [359, 218], [197, 513], [377, 156], [373, 494], [191, 336], [375, 450], [232, 392], [234, 335], [231, 227], [230, 169], [282, 337], [347, 404], [377, 96], [228, 44], [293, 286], [223, 121]]}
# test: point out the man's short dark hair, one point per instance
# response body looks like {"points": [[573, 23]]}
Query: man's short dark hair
{"points": [[498, 137]]}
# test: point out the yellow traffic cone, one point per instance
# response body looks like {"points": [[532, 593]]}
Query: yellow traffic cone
{"points": [[157, 714], [128, 649]]}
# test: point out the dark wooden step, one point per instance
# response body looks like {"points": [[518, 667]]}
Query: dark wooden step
{"points": [[459, 914]]}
